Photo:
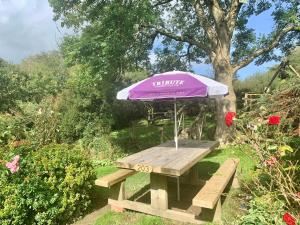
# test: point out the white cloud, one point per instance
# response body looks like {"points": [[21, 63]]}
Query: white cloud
{"points": [[27, 28], [3, 19]]}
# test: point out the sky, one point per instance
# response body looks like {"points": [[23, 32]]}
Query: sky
{"points": [[27, 28]]}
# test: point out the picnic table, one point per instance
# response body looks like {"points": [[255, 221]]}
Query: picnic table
{"points": [[167, 165], [164, 160]]}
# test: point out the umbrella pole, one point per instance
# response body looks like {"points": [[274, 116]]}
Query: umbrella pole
{"points": [[175, 127], [176, 145]]}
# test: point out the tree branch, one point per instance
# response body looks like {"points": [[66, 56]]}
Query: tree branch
{"points": [[231, 16], [216, 11], [187, 54], [162, 3], [273, 43], [204, 22], [182, 38]]}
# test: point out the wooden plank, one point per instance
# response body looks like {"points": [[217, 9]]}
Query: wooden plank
{"points": [[188, 154], [167, 160], [194, 210], [162, 150], [153, 152], [142, 155], [131, 158], [194, 175], [159, 191], [111, 179], [189, 159], [208, 196], [191, 152], [217, 218], [164, 156], [145, 157], [161, 153], [117, 191], [235, 182], [145, 208]]}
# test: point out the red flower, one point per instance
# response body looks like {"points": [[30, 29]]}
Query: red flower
{"points": [[271, 161], [288, 219], [274, 120], [229, 118]]}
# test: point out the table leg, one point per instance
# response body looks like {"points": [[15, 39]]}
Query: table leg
{"points": [[159, 191], [117, 192], [194, 176], [178, 189]]}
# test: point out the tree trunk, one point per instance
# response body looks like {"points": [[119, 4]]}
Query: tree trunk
{"points": [[224, 74]]}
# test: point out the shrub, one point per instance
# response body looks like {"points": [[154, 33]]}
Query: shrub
{"points": [[37, 123], [11, 128], [269, 128], [52, 186], [264, 210], [101, 149]]}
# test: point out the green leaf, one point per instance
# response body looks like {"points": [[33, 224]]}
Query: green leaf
{"points": [[284, 149], [272, 147]]}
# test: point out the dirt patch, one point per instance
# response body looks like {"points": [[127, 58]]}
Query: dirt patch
{"points": [[91, 218]]}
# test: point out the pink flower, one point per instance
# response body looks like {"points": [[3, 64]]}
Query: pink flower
{"points": [[271, 161], [289, 219], [298, 194], [13, 166]]}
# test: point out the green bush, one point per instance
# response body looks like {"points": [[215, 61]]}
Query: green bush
{"points": [[264, 210], [52, 186], [101, 149], [11, 128]]}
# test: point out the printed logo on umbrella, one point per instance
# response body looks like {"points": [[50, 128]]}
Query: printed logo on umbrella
{"points": [[168, 83]]}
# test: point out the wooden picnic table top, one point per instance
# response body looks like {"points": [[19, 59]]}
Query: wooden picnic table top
{"points": [[165, 159]]}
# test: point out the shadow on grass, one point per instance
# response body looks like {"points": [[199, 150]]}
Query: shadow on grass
{"points": [[207, 168], [99, 197]]}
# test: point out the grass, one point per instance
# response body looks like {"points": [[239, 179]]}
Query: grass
{"points": [[112, 218], [142, 136]]}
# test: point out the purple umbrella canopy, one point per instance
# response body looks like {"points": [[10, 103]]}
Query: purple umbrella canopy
{"points": [[173, 85]]}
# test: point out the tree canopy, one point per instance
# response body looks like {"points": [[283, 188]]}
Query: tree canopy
{"points": [[201, 25], [207, 31]]}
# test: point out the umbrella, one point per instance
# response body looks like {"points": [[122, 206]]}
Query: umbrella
{"points": [[171, 86]]}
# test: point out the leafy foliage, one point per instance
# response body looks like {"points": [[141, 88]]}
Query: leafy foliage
{"points": [[12, 86], [258, 82], [275, 142], [52, 185], [182, 17], [264, 210], [46, 73]]}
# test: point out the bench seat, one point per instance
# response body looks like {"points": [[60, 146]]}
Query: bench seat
{"points": [[114, 178], [211, 192]]}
